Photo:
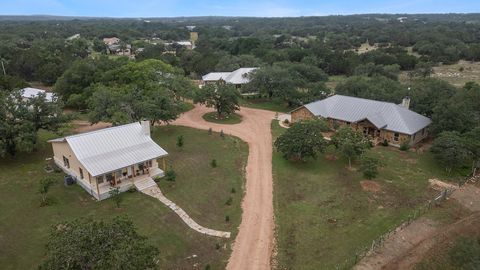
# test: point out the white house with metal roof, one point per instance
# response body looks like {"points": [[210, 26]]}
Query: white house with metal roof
{"points": [[117, 157], [237, 77], [382, 121], [29, 92]]}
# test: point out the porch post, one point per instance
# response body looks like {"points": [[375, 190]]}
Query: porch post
{"points": [[98, 190], [164, 165]]}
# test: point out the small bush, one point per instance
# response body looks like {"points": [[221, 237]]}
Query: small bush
{"points": [[170, 175], [461, 69], [207, 267], [157, 179], [404, 146], [115, 196], [227, 218], [222, 134], [213, 163], [229, 201], [286, 122], [180, 141], [385, 142], [233, 190], [369, 166], [210, 131], [217, 246]]}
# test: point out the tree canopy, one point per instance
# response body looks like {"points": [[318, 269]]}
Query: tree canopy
{"points": [[90, 244], [302, 140]]}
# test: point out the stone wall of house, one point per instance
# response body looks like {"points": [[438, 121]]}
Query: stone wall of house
{"points": [[301, 114], [304, 114]]}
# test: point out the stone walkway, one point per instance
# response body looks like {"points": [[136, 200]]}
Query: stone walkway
{"points": [[155, 192]]}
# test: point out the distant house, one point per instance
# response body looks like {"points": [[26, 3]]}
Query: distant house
{"points": [[29, 92], [377, 119], [118, 157], [118, 49], [76, 36], [237, 77], [111, 41]]}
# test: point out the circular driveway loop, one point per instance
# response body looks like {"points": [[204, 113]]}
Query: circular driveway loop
{"points": [[253, 245]]}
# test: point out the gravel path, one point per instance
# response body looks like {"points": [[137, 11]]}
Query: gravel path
{"points": [[253, 245]]}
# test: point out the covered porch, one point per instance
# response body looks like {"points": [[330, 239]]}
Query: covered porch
{"points": [[125, 178]]}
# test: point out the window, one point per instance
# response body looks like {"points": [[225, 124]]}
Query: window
{"points": [[396, 136], [81, 172], [66, 163], [100, 179], [149, 163]]}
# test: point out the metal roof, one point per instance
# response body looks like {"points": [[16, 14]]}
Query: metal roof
{"points": [[215, 76], [384, 115], [110, 149], [29, 92], [239, 76]]}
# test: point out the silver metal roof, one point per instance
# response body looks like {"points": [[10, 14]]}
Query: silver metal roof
{"points": [[110, 149], [215, 76], [384, 115], [239, 76], [30, 92]]}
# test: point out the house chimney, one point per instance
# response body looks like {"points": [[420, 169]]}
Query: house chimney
{"points": [[406, 102], [145, 127]]}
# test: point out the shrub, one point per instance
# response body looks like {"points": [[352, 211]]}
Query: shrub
{"points": [[170, 175], [157, 179], [115, 196], [229, 201], [210, 131], [227, 218], [233, 190], [213, 163], [222, 134], [404, 146], [385, 142], [180, 141], [45, 184], [369, 166]]}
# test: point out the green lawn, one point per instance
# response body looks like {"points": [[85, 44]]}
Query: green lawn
{"points": [[323, 216], [199, 189], [229, 120], [264, 104]]}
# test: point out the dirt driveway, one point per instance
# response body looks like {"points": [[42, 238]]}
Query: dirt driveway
{"points": [[253, 246]]}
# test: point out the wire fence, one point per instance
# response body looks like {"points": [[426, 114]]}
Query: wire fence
{"points": [[380, 241]]}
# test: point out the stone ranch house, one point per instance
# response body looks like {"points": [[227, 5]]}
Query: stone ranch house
{"points": [[381, 121], [118, 157]]}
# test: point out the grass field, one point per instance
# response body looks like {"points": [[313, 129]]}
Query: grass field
{"points": [[324, 216], [230, 120], [264, 104], [457, 74], [201, 190], [333, 81]]}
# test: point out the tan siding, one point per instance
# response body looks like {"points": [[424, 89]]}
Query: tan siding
{"points": [[61, 149]]}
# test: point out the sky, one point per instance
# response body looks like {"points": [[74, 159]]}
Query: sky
{"points": [[256, 8]]}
